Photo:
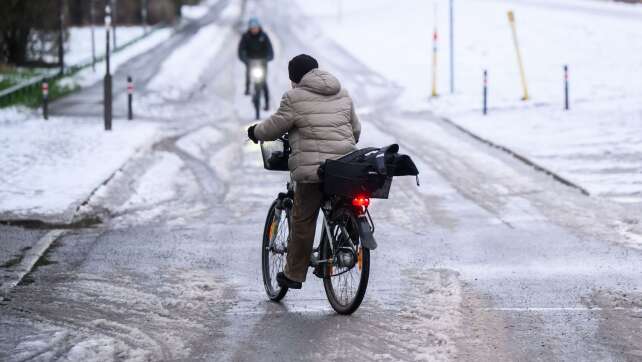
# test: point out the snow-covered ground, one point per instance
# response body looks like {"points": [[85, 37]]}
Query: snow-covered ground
{"points": [[65, 159], [596, 144], [48, 168]]}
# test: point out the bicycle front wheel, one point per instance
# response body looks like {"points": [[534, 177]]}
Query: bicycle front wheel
{"points": [[346, 279], [256, 101], [276, 235]]}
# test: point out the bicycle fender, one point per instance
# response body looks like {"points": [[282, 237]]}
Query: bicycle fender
{"points": [[365, 234]]}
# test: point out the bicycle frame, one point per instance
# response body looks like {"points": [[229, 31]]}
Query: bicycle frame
{"points": [[363, 218]]}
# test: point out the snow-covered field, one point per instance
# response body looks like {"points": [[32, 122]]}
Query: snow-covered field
{"points": [[596, 144], [64, 160], [48, 168]]}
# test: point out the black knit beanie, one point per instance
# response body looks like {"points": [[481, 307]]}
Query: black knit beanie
{"points": [[300, 66]]}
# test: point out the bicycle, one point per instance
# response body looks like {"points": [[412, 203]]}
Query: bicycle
{"points": [[342, 256]]}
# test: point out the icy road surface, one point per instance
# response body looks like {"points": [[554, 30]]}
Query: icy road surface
{"points": [[487, 260]]}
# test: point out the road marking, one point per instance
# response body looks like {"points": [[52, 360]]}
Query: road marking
{"points": [[560, 309], [30, 259]]}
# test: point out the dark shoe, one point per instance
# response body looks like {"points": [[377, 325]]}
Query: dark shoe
{"points": [[285, 282], [266, 108], [319, 270], [247, 92]]}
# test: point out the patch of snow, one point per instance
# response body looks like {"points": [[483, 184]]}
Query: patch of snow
{"points": [[598, 40], [103, 349], [175, 79], [199, 143], [232, 12], [87, 76], [225, 161], [594, 145], [48, 167], [79, 43], [157, 185], [193, 12], [15, 114], [437, 327], [166, 190], [37, 346]]}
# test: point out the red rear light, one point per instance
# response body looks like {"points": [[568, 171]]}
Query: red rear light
{"points": [[361, 201]]}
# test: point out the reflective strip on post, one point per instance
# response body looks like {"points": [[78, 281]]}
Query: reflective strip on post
{"points": [[45, 89]]}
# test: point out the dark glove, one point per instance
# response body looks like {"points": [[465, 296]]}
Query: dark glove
{"points": [[250, 134]]}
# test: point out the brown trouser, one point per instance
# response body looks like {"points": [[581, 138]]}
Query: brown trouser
{"points": [[307, 201]]}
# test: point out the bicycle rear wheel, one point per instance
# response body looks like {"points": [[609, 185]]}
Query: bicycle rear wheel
{"points": [[346, 281], [276, 235]]}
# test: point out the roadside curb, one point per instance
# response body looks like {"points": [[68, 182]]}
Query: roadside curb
{"points": [[32, 256], [518, 156], [78, 219], [30, 259]]}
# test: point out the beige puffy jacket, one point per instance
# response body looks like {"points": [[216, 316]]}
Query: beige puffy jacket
{"points": [[320, 119]]}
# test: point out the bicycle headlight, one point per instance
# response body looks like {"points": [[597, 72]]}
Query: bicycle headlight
{"points": [[257, 73]]}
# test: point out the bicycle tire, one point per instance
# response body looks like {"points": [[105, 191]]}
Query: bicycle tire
{"points": [[353, 304], [256, 100], [273, 291]]}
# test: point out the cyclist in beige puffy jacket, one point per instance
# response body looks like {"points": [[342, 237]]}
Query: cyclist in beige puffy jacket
{"points": [[319, 117]]}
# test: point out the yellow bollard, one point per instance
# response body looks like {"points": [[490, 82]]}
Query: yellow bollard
{"points": [[511, 20]]}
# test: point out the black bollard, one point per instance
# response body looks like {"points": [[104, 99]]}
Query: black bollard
{"points": [[107, 95], [130, 95], [45, 100], [566, 107], [485, 91]]}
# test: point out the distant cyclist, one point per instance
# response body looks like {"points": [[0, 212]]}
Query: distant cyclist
{"points": [[255, 45]]}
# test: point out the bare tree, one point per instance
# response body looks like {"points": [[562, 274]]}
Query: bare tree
{"points": [[20, 20]]}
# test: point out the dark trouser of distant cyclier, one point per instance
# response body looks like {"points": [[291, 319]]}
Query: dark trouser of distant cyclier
{"points": [[266, 90]]}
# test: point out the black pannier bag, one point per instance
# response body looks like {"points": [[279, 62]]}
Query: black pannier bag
{"points": [[366, 172]]}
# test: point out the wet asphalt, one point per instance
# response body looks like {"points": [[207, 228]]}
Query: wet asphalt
{"points": [[487, 260]]}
